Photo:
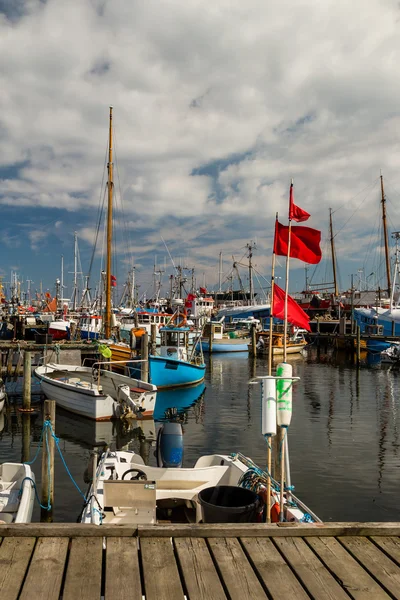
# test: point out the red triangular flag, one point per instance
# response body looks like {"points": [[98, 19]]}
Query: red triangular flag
{"points": [[295, 212], [295, 314], [304, 243]]}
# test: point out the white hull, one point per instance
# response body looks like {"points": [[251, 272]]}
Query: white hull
{"points": [[13, 507], [170, 487], [278, 350], [75, 389]]}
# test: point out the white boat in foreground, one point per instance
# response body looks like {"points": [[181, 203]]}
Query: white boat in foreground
{"points": [[17, 493], [96, 393], [127, 491]]}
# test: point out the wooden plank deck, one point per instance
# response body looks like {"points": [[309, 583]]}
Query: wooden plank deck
{"points": [[214, 562]]}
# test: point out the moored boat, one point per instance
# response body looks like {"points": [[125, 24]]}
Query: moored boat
{"points": [[295, 343], [17, 493], [96, 393], [214, 339]]}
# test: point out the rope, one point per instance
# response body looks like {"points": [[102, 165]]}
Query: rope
{"points": [[47, 427]]}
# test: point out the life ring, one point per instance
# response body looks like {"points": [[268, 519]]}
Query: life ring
{"points": [[181, 323]]}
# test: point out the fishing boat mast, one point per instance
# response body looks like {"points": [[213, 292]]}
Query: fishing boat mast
{"points": [[385, 233], [107, 320], [336, 290]]}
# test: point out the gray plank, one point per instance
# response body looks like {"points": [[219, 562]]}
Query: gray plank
{"points": [[161, 576], [273, 569], [15, 554], [46, 570], [199, 573], [376, 562], [122, 569], [314, 576], [235, 570], [353, 577], [83, 578], [390, 545]]}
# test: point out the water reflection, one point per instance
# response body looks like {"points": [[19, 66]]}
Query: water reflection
{"points": [[171, 403]]}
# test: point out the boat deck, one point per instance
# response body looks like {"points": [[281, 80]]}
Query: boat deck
{"points": [[239, 561]]}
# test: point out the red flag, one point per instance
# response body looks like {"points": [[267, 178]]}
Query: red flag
{"points": [[304, 243], [203, 290], [295, 212], [295, 314], [113, 281]]}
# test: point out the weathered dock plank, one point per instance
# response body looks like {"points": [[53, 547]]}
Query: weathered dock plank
{"points": [[378, 564], [199, 573], [161, 576], [390, 545], [46, 570], [84, 570], [311, 571], [356, 580], [15, 554], [235, 570], [273, 570], [122, 569]]}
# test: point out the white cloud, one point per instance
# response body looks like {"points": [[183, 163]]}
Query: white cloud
{"points": [[306, 90]]}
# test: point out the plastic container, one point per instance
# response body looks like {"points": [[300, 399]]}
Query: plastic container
{"points": [[229, 504]]}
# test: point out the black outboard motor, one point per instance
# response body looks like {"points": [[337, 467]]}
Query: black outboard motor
{"points": [[169, 451]]}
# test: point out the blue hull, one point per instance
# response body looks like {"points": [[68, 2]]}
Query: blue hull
{"points": [[89, 335], [224, 346], [170, 373], [377, 345]]}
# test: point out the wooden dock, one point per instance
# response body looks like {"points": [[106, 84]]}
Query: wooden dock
{"points": [[215, 562]]}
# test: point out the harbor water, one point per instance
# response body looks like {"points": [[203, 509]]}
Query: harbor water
{"points": [[343, 439]]}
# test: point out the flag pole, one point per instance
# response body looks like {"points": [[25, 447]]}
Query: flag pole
{"points": [[287, 288], [270, 351]]}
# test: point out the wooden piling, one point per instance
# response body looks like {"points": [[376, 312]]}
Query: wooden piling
{"points": [[254, 340], [153, 338], [47, 496], [358, 348], [145, 357], [210, 339], [26, 437], [26, 398]]}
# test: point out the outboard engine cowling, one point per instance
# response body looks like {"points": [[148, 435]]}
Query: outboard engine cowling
{"points": [[169, 450]]}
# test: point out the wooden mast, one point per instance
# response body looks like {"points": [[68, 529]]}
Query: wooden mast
{"points": [[107, 327], [333, 255], [385, 233]]}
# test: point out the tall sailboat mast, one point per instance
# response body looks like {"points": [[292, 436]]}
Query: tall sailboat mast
{"points": [[333, 255], [385, 233], [107, 323]]}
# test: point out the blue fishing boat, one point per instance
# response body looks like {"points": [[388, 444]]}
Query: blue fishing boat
{"points": [[173, 367]]}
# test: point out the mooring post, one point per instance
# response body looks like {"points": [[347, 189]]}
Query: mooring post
{"points": [[47, 497], [26, 399], [26, 437], [210, 338], [358, 344], [253, 340], [145, 357], [153, 338]]}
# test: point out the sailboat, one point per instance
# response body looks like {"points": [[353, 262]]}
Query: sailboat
{"points": [[97, 392]]}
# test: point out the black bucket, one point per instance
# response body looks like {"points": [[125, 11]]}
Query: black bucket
{"points": [[229, 504]]}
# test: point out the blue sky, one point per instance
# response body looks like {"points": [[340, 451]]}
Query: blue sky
{"points": [[216, 107]]}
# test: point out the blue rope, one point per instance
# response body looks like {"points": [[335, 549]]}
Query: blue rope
{"points": [[56, 440], [48, 507]]}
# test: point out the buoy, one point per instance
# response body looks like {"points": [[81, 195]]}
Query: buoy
{"points": [[275, 512], [268, 406], [284, 394]]}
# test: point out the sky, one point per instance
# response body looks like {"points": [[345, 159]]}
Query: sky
{"points": [[217, 106]]}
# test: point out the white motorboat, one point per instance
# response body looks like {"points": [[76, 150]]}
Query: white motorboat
{"points": [[17, 493], [391, 355], [127, 491], [96, 393], [3, 394]]}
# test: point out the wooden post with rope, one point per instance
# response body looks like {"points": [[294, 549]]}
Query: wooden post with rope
{"points": [[153, 338], [26, 398], [47, 495], [254, 340]]}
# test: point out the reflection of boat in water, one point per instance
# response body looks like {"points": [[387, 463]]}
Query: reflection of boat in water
{"points": [[91, 434], [180, 399]]}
